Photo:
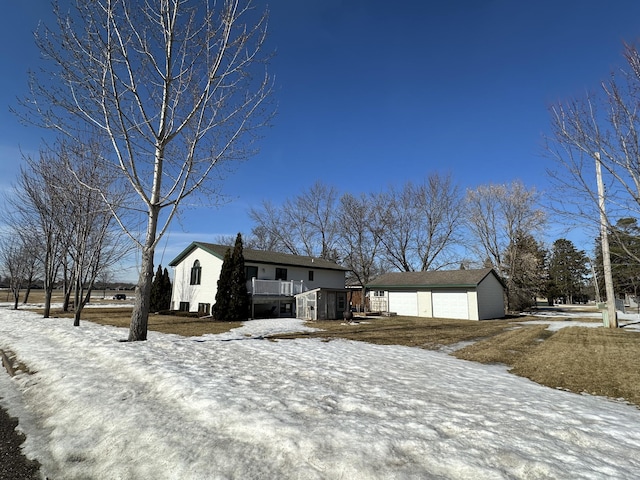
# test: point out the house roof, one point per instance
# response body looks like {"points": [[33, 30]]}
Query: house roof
{"points": [[432, 279], [260, 256]]}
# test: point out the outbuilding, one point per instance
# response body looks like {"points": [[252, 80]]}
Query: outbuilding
{"points": [[460, 294]]}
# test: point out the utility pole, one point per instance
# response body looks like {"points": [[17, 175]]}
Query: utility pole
{"points": [[606, 257]]}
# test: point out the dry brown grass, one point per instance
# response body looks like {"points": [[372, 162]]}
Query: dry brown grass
{"points": [[597, 361], [178, 325], [408, 331], [506, 347], [98, 297]]}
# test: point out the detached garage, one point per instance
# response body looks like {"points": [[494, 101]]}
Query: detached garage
{"points": [[459, 294]]}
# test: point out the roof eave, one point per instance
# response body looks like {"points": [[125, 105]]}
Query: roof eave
{"points": [[434, 285]]}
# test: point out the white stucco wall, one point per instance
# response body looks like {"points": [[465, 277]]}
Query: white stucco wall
{"points": [[195, 294]]}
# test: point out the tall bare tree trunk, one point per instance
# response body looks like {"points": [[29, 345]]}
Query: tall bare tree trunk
{"points": [[140, 314], [77, 300], [48, 293]]}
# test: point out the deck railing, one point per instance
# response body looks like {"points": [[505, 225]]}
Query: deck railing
{"points": [[281, 288]]}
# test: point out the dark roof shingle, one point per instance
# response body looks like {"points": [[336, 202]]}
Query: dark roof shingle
{"points": [[434, 278], [260, 256]]}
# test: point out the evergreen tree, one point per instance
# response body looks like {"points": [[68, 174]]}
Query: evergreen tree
{"points": [[165, 289], [567, 271], [239, 301], [154, 301], [624, 241], [525, 260], [222, 307], [625, 251]]}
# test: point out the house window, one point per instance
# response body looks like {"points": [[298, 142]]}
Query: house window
{"points": [[204, 308], [342, 300], [184, 306], [196, 273], [311, 275], [281, 273], [378, 293], [250, 272]]}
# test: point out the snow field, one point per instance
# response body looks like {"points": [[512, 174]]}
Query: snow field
{"points": [[238, 406]]}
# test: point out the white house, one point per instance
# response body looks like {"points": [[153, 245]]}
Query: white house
{"points": [[273, 280], [462, 294]]}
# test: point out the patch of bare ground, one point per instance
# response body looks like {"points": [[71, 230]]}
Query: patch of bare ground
{"points": [[176, 324], [408, 331], [598, 361]]}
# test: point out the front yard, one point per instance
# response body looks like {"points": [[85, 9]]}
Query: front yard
{"points": [[597, 361]]}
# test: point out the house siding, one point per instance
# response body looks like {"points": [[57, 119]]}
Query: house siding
{"points": [[195, 294], [490, 298], [321, 277], [211, 266]]}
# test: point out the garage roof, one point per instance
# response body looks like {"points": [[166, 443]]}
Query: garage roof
{"points": [[432, 279]]}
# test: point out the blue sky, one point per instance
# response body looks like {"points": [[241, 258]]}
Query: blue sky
{"points": [[374, 93]]}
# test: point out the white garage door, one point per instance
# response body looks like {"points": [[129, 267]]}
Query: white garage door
{"points": [[450, 305], [404, 303]]}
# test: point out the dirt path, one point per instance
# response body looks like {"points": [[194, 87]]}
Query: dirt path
{"points": [[14, 465]]}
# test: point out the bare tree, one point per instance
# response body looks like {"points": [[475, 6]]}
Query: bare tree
{"points": [[31, 265], [104, 278], [261, 238], [34, 209], [317, 209], [419, 225], [273, 229], [604, 127], [88, 222], [304, 225], [359, 239], [499, 217], [172, 85], [15, 258], [26, 252]]}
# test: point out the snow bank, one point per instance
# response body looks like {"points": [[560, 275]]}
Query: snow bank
{"points": [[239, 406]]}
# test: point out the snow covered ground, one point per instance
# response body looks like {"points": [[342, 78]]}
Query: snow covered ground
{"points": [[237, 406]]}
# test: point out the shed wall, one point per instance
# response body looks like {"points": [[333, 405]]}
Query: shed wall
{"points": [[490, 298]]}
